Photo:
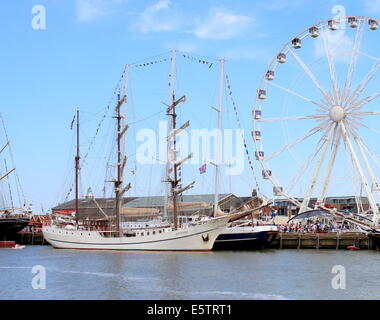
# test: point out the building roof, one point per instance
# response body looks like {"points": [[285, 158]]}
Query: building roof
{"points": [[40, 219], [90, 210], [159, 201], [105, 203]]}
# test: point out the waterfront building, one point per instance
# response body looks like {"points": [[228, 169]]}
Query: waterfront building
{"points": [[285, 207]]}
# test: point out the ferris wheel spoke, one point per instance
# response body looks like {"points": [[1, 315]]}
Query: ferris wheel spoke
{"points": [[295, 142], [311, 75], [364, 113], [353, 60], [371, 153], [298, 95], [365, 126], [368, 55], [362, 85], [326, 181], [363, 179], [313, 116], [330, 60], [317, 169], [302, 170], [364, 101]]}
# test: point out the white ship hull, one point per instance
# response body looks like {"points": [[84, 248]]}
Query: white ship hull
{"points": [[197, 237]]}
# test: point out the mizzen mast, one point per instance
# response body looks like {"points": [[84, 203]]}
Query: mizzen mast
{"points": [[218, 156]]}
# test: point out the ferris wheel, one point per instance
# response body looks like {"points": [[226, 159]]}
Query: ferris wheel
{"points": [[316, 115]]}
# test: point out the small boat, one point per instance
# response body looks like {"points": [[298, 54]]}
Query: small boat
{"points": [[245, 236], [352, 248], [18, 247]]}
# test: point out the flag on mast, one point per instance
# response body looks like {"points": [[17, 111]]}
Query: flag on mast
{"points": [[202, 169]]}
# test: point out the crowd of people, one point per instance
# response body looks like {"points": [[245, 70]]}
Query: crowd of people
{"points": [[312, 226]]}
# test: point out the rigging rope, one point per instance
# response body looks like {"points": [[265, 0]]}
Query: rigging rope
{"points": [[18, 183], [92, 141], [241, 130], [9, 186], [142, 63], [194, 59]]}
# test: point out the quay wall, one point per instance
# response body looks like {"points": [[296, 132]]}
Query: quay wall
{"points": [[30, 238], [330, 240]]}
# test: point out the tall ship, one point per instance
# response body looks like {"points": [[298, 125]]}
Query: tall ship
{"points": [[107, 233], [13, 218]]}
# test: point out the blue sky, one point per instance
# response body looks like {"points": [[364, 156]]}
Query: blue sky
{"points": [[78, 58]]}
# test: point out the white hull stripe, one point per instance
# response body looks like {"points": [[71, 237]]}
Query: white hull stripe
{"points": [[245, 239]]}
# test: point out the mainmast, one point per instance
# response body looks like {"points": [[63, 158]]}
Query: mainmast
{"points": [[169, 128], [173, 164], [121, 158], [77, 158], [218, 155]]}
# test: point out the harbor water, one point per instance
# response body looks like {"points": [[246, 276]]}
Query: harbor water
{"points": [[41, 272]]}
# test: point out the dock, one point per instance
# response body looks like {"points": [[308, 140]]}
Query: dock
{"points": [[330, 240], [30, 238], [7, 244]]}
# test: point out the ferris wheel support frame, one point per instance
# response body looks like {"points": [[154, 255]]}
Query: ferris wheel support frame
{"points": [[317, 169], [355, 159], [330, 166]]}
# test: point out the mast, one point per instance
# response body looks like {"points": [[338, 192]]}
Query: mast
{"points": [[172, 163], [118, 181], [77, 158], [175, 173], [218, 138], [169, 127], [121, 158]]}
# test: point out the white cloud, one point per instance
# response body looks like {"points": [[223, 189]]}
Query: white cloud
{"points": [[221, 24], [159, 17], [88, 10]]}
